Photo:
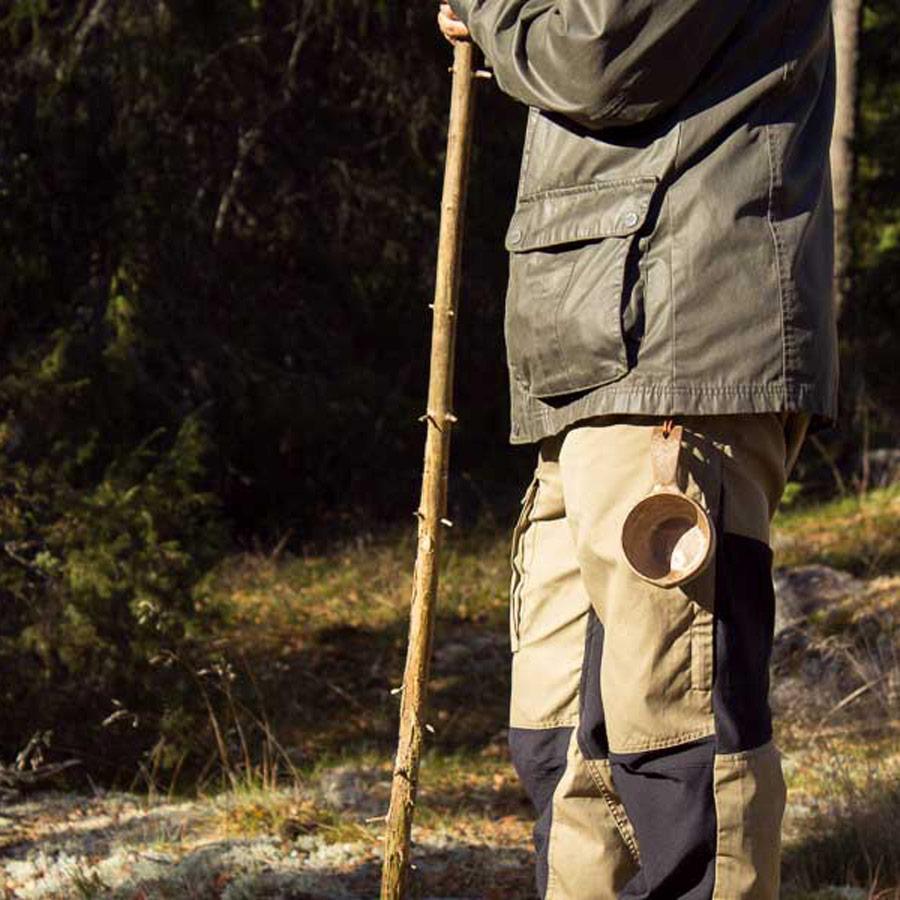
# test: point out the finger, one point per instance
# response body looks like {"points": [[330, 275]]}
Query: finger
{"points": [[447, 10], [452, 29], [447, 37], [450, 21]]}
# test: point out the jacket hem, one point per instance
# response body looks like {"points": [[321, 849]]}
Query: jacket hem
{"points": [[533, 420]]}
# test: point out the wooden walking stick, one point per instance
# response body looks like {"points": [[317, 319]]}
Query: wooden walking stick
{"points": [[432, 507]]}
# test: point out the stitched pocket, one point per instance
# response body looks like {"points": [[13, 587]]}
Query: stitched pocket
{"points": [[517, 564], [574, 267]]}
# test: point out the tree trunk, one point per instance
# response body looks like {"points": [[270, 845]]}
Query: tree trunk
{"points": [[847, 14]]}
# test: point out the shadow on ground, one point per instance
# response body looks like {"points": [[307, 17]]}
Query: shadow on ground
{"points": [[337, 689]]}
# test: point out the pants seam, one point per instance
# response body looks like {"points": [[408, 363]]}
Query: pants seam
{"points": [[541, 724], [664, 743], [717, 867], [621, 822], [743, 756]]}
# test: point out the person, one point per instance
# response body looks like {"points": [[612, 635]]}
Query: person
{"points": [[670, 257]]}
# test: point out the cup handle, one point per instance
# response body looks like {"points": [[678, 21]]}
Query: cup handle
{"points": [[665, 450]]}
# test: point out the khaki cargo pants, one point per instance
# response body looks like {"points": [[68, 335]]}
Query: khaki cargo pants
{"points": [[639, 716]]}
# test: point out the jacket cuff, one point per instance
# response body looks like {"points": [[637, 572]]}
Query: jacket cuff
{"points": [[462, 8]]}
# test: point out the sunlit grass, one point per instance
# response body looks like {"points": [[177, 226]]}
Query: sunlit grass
{"points": [[366, 585], [859, 533]]}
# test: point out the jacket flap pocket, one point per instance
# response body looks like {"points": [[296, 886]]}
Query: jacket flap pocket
{"points": [[601, 209]]}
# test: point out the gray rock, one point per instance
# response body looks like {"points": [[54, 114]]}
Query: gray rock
{"points": [[349, 789], [845, 892], [804, 590], [884, 467], [474, 653]]}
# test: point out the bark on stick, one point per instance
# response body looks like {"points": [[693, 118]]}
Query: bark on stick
{"points": [[432, 508]]}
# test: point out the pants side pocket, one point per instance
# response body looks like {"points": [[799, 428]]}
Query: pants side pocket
{"points": [[517, 564]]}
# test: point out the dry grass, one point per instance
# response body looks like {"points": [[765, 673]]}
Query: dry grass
{"points": [[848, 833]]}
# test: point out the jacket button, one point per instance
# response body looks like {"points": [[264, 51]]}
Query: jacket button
{"points": [[630, 219], [515, 236]]}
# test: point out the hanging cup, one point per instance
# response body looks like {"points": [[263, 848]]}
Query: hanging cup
{"points": [[668, 538]]}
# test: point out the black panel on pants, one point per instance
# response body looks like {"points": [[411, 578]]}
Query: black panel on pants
{"points": [[539, 756], [592, 740], [744, 625], [668, 795]]}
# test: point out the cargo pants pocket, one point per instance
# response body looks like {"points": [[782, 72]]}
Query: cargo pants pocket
{"points": [[517, 561]]}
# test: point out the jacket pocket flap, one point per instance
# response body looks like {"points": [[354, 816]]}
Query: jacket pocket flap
{"points": [[601, 209]]}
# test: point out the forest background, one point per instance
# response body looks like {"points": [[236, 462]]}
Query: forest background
{"points": [[218, 226]]}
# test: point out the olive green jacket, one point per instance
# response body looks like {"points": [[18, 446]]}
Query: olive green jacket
{"points": [[671, 245]]}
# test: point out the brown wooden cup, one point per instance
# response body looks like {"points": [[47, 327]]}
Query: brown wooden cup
{"points": [[668, 538]]}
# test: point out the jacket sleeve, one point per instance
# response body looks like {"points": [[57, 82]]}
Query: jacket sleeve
{"points": [[601, 63]]}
